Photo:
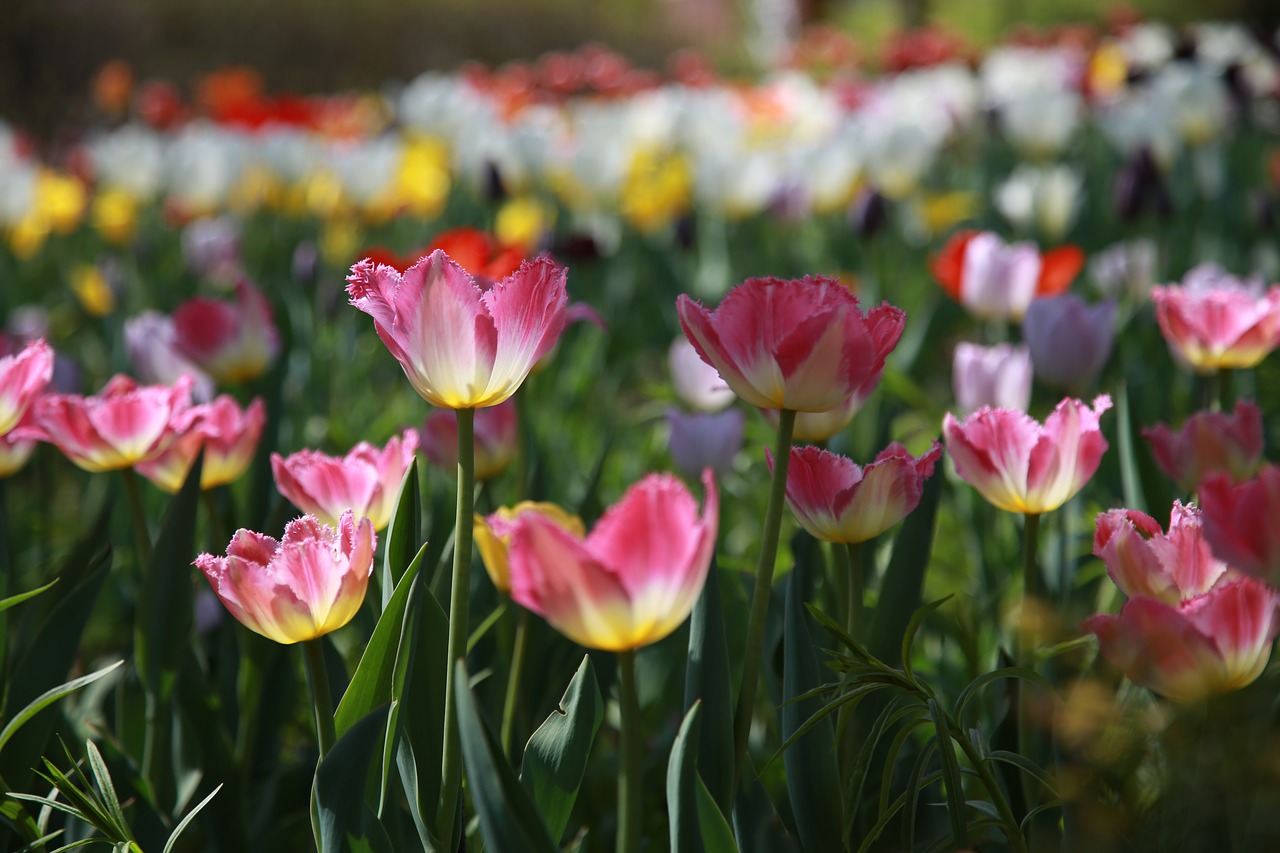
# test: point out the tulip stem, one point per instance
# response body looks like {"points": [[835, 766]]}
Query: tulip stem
{"points": [[217, 528], [754, 648], [1028, 627], [855, 589], [1224, 401], [321, 698], [459, 608], [513, 680], [630, 767], [134, 495]]}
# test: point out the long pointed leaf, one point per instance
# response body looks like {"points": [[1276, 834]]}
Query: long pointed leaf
{"points": [[404, 533], [903, 583], [682, 793], [344, 820], [23, 596], [706, 680], [47, 698]]}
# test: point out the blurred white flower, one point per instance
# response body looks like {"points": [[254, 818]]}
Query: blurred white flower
{"points": [[1046, 199]]}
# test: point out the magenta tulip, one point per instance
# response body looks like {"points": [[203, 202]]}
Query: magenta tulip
{"points": [[1240, 522], [1209, 442]]}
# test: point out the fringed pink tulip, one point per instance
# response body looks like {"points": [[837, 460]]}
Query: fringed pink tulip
{"points": [[300, 588], [633, 580], [22, 378], [837, 500], [156, 357], [1145, 561], [234, 343], [461, 346], [1209, 442], [1019, 465], [1213, 643], [998, 377], [120, 427], [366, 480], [803, 345], [495, 431], [1215, 321], [228, 434], [1240, 522]]}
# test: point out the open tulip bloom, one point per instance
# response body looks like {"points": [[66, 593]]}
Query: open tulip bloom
{"points": [[462, 346], [1145, 561], [1215, 321], [228, 435], [22, 378], [1208, 442], [366, 480]]}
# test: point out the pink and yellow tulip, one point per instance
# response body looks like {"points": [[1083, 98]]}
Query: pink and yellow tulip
{"points": [[1209, 442], [366, 480], [228, 434], [234, 343], [1145, 561], [1215, 321], [22, 378]]}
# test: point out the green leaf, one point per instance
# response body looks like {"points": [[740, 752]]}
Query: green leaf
{"points": [[973, 688], [707, 680], [682, 778], [555, 758], [343, 819], [165, 600], [23, 596], [103, 778], [909, 638], [419, 688], [508, 818], [372, 684], [951, 777], [404, 533], [813, 782], [1027, 766], [191, 815], [717, 837], [903, 583], [47, 698]]}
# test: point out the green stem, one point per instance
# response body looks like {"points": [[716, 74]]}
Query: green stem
{"points": [[459, 608], [513, 680], [1028, 623], [630, 768], [217, 527], [840, 593], [321, 698], [856, 586], [754, 648], [134, 495], [981, 766], [1224, 402]]}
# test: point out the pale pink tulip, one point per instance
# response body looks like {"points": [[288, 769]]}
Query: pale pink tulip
{"points": [[1208, 442], [837, 500], [495, 437], [462, 346], [1019, 465], [228, 434], [234, 343], [123, 425], [1215, 321], [1145, 561], [633, 580], [999, 377], [156, 357], [300, 588], [366, 480], [696, 383], [22, 378], [803, 344]]}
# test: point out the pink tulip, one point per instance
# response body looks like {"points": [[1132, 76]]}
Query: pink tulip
{"points": [[1210, 644], [999, 377], [633, 579], [1208, 442], [495, 439], [123, 425], [298, 589], [1215, 321], [1145, 561], [366, 480], [228, 434], [461, 346], [998, 280], [17, 445], [153, 348], [1019, 465], [803, 345], [838, 501], [1240, 521], [234, 343], [22, 378]]}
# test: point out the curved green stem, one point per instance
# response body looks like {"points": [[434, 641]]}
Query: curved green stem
{"points": [[140, 533], [513, 680], [459, 608], [1012, 830], [631, 767], [321, 698], [856, 585], [760, 596]]}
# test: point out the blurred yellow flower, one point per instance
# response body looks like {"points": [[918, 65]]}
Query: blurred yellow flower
{"points": [[59, 200], [115, 215], [91, 288], [941, 211], [422, 181], [521, 222], [657, 188]]}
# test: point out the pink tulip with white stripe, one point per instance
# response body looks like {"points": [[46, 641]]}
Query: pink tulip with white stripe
{"points": [[1144, 560], [22, 378]]}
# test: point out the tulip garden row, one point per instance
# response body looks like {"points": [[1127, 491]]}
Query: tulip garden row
{"points": [[867, 551]]}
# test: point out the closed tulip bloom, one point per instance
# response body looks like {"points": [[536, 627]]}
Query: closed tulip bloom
{"points": [[697, 383], [1240, 522], [837, 500], [702, 440], [998, 377], [1021, 466], [234, 343], [366, 480], [228, 434], [803, 344], [300, 588], [1213, 643], [461, 346], [495, 436], [995, 280], [633, 580], [123, 425], [1215, 321], [1209, 442], [1070, 340], [1145, 561], [22, 378], [492, 536]]}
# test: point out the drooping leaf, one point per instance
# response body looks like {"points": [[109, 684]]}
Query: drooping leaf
{"points": [[47, 698]]}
